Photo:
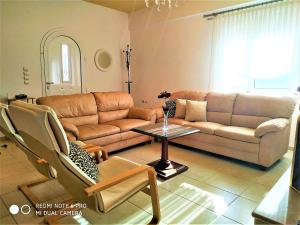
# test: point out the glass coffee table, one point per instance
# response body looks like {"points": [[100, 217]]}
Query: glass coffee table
{"points": [[164, 167]]}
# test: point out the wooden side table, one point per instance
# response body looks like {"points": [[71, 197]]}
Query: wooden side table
{"points": [[28, 99], [280, 206]]}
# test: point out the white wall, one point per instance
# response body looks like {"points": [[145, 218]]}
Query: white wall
{"points": [[171, 48], [93, 27], [168, 54]]}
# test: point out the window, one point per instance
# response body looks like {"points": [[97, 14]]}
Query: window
{"points": [[66, 64], [258, 48], [272, 63]]}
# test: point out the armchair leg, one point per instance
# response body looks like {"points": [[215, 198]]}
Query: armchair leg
{"points": [[34, 200], [54, 219], [154, 197], [25, 189]]}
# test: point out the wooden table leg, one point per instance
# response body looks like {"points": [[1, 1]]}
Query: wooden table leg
{"points": [[164, 163], [164, 150]]}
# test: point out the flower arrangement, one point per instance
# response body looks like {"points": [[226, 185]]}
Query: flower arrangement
{"points": [[165, 95]]}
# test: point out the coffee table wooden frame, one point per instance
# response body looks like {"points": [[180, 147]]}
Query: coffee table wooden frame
{"points": [[164, 167]]}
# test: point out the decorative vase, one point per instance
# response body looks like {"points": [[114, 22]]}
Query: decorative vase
{"points": [[165, 95], [166, 115]]}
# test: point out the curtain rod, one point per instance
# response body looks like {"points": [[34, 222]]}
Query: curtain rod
{"points": [[240, 8]]}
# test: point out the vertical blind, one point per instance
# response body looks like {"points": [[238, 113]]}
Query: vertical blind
{"points": [[257, 48]]}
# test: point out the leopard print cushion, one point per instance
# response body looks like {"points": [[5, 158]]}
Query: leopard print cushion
{"points": [[84, 161], [171, 104]]}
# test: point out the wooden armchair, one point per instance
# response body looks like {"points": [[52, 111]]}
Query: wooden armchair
{"points": [[119, 179], [9, 130]]}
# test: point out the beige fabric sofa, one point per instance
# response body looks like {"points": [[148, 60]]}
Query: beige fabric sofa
{"points": [[101, 118], [248, 127]]}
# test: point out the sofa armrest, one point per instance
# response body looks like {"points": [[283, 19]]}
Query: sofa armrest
{"points": [[274, 125], [69, 127], [142, 113], [159, 113], [70, 136]]}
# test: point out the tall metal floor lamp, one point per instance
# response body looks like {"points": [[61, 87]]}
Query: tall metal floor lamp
{"points": [[128, 55]]}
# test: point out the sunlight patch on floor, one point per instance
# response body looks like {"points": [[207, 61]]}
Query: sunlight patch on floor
{"points": [[191, 216], [218, 202], [81, 220]]}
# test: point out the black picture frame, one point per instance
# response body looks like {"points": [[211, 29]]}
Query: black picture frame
{"points": [[295, 178]]}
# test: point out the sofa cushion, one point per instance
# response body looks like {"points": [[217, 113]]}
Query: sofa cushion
{"points": [[75, 105], [91, 131], [171, 104], [205, 127], [112, 115], [189, 95], [128, 124], [195, 111], [70, 136], [252, 110], [106, 140], [220, 107], [180, 108], [111, 101], [70, 128], [174, 121], [237, 133], [248, 121], [142, 113]]}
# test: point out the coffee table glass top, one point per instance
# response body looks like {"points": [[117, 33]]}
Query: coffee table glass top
{"points": [[174, 130]]}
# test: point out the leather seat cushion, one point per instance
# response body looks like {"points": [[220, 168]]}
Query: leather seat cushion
{"points": [[205, 127], [238, 133], [112, 196], [174, 121], [128, 124], [91, 131]]}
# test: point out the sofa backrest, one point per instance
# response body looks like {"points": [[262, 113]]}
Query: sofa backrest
{"points": [[220, 107], [189, 95], [252, 110], [112, 105], [78, 109]]}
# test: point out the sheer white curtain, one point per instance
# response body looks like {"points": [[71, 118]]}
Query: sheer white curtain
{"points": [[257, 48]]}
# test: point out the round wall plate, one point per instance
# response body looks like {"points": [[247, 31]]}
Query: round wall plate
{"points": [[103, 60]]}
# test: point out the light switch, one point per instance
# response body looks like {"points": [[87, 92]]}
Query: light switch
{"points": [[26, 75]]}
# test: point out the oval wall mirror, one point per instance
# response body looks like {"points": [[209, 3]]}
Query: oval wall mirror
{"points": [[103, 60]]}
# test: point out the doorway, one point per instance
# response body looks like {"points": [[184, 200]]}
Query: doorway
{"points": [[61, 64]]}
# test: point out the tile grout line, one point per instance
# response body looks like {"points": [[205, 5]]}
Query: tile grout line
{"points": [[8, 210]]}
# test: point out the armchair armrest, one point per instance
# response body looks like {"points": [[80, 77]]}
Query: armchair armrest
{"points": [[273, 125], [116, 179], [142, 113], [41, 161], [69, 127], [96, 149]]}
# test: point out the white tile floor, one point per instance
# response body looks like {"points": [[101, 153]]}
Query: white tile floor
{"points": [[215, 190]]}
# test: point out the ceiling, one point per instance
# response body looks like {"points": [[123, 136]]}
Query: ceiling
{"points": [[133, 5], [121, 5]]}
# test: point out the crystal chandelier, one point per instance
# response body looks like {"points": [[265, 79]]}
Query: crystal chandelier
{"points": [[160, 3]]}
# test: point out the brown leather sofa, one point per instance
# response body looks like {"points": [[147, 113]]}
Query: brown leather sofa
{"points": [[101, 118], [248, 127]]}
